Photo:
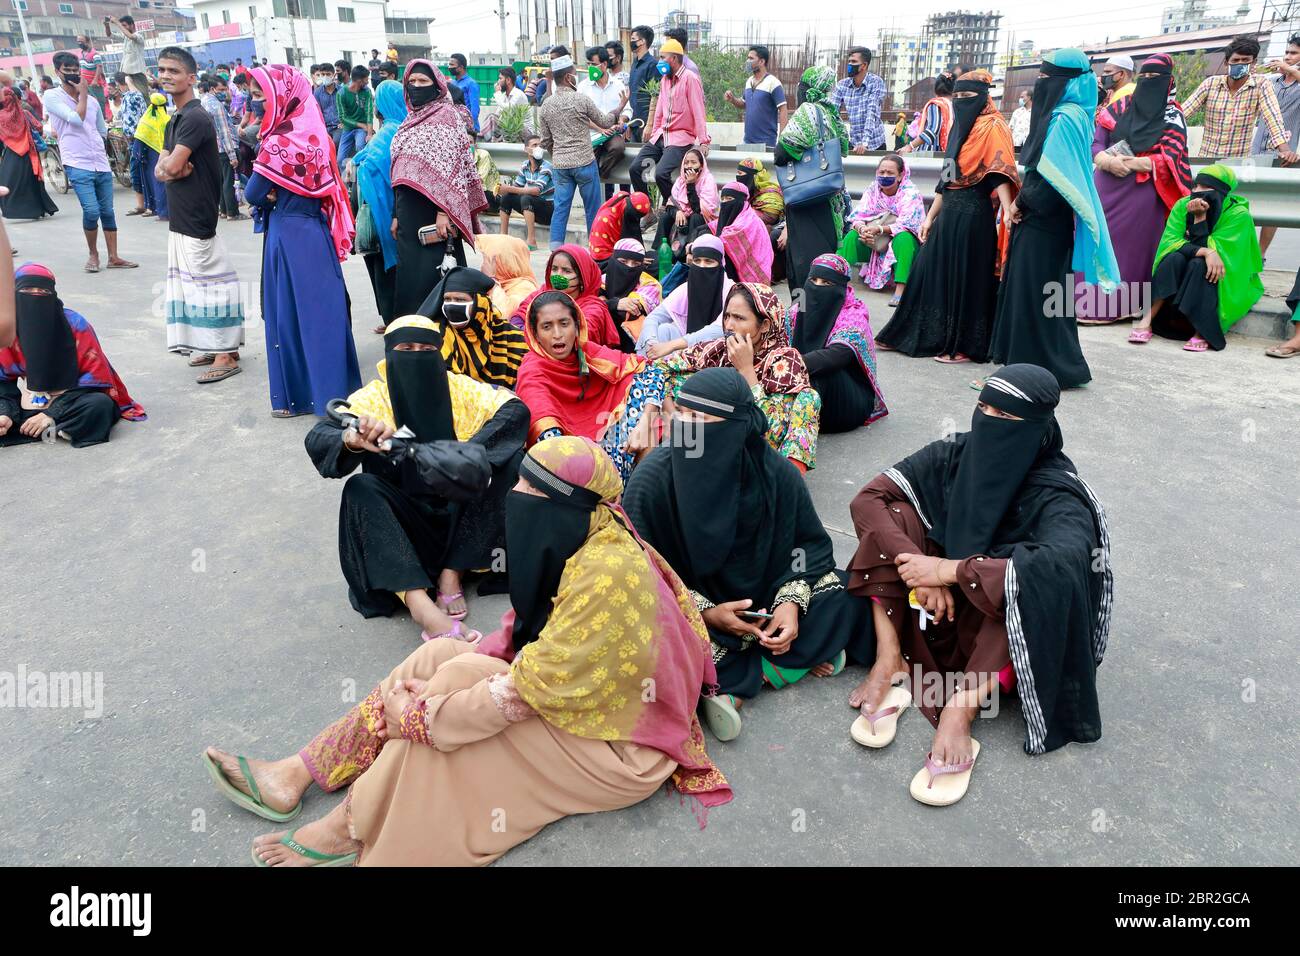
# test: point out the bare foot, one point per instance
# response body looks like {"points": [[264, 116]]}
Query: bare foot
{"points": [[449, 584], [281, 783], [329, 835], [823, 670], [117, 262], [952, 740], [884, 672]]}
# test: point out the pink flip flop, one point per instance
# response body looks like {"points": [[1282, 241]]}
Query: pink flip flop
{"points": [[942, 785], [1196, 344], [444, 600], [458, 632], [1139, 337], [864, 729]]}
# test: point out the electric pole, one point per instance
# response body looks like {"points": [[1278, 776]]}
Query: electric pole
{"points": [[501, 12]]}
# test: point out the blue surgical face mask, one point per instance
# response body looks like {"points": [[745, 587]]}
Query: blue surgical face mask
{"points": [[851, 69], [884, 182], [663, 68], [1238, 71], [750, 66]]}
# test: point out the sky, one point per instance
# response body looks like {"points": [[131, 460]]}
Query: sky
{"points": [[473, 25]]}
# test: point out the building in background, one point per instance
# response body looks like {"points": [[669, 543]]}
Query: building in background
{"points": [[698, 30], [969, 39], [1191, 17], [298, 32], [53, 25], [906, 59], [410, 35]]}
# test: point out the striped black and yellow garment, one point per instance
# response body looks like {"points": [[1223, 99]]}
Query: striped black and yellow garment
{"points": [[477, 341]]}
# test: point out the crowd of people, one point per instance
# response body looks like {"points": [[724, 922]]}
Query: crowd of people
{"points": [[620, 443]]}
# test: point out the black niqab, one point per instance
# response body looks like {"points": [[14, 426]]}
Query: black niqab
{"points": [[1143, 123], [1048, 91], [965, 111], [819, 308], [542, 534], [703, 290], [417, 385], [620, 278], [731, 203], [45, 337]]}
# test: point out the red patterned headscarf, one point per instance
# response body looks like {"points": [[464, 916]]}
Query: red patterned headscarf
{"points": [[780, 367], [295, 150]]}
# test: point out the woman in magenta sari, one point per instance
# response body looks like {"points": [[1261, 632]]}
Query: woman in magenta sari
{"points": [[301, 207], [744, 237], [1140, 154]]}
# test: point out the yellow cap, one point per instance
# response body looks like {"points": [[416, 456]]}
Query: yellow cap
{"points": [[671, 46]]}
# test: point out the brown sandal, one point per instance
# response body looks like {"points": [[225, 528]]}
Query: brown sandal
{"points": [[218, 374]]}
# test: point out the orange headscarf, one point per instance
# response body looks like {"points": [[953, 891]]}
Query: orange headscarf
{"points": [[988, 147]]}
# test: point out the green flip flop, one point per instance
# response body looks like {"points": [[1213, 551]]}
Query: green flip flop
{"points": [[317, 858], [721, 716], [236, 796]]}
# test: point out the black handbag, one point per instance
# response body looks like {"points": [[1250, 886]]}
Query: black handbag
{"points": [[819, 173]]}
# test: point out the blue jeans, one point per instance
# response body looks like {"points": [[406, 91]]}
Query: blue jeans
{"points": [[95, 193], [350, 141], [583, 179], [138, 171]]}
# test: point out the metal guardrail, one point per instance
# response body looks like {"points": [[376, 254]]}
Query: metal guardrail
{"points": [[1274, 193]]}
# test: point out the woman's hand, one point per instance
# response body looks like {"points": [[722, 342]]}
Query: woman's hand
{"points": [[629, 304], [740, 350], [919, 570], [681, 217], [1214, 267], [723, 618], [780, 239], [392, 229], [1198, 208], [368, 435], [33, 427], [393, 703], [938, 601], [781, 631], [906, 148], [926, 223], [659, 349], [6, 423], [645, 436], [1138, 164], [1012, 213]]}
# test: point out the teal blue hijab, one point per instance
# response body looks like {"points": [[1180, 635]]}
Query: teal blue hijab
{"points": [[1066, 163], [374, 165]]}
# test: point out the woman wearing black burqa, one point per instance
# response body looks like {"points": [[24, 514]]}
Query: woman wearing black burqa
{"points": [[415, 522], [734, 519], [1006, 549], [947, 308]]}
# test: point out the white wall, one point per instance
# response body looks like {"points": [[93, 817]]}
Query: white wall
{"points": [[324, 40]]}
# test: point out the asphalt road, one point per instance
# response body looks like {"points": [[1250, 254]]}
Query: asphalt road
{"points": [[192, 564]]}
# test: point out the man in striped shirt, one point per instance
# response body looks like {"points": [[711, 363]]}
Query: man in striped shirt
{"points": [[1234, 102]]}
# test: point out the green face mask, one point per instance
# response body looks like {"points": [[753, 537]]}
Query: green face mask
{"points": [[593, 74], [559, 281]]}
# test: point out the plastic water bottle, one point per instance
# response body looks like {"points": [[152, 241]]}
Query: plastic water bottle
{"points": [[665, 259]]}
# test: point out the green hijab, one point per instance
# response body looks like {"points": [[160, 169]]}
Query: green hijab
{"points": [[1233, 238]]}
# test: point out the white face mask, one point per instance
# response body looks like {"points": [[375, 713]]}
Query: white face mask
{"points": [[324, 80], [538, 153]]}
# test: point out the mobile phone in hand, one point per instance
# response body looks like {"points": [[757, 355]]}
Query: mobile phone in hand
{"points": [[756, 615]]}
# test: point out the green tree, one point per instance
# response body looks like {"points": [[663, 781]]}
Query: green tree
{"points": [[1189, 70], [720, 70]]}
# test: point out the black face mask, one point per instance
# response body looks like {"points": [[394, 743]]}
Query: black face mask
{"points": [[418, 389], [1143, 122], [421, 95], [703, 295], [541, 536], [1048, 90], [458, 313], [731, 204], [746, 177], [72, 77], [48, 344], [1107, 82], [818, 311], [707, 468], [965, 111], [621, 278]]}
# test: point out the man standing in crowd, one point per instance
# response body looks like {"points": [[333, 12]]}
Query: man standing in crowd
{"points": [[1286, 88], [531, 194], [78, 122], [459, 67], [679, 34], [204, 306], [679, 122], [214, 96], [133, 107], [356, 114], [1117, 78], [1020, 119], [325, 90], [1234, 102], [239, 95], [610, 96], [641, 73], [342, 73], [507, 91], [387, 71], [536, 89], [374, 63], [617, 69], [240, 69], [858, 97], [764, 100], [132, 64], [392, 53], [91, 63], [564, 122]]}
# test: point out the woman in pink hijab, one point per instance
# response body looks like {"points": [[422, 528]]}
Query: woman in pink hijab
{"points": [[301, 209], [692, 208]]}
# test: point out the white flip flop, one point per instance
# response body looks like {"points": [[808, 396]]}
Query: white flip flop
{"points": [[942, 785], [722, 717], [878, 729]]}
